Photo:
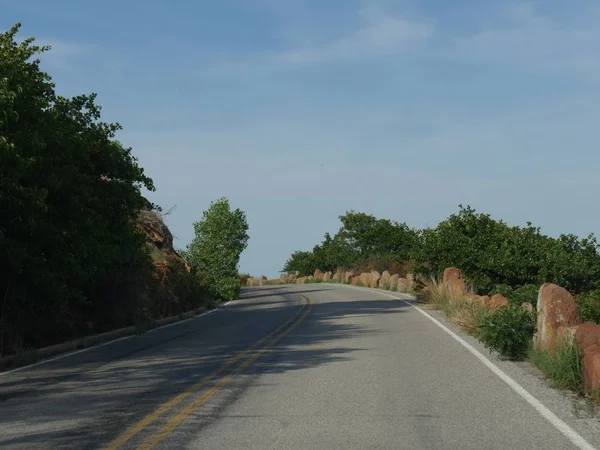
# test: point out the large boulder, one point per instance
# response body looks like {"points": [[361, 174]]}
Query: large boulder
{"points": [[410, 278], [251, 282], [394, 282], [454, 278], [555, 308], [374, 279], [355, 281], [384, 281], [365, 279], [337, 277], [587, 336], [402, 285], [284, 277], [310, 277], [497, 301], [318, 275], [326, 276], [292, 277]]}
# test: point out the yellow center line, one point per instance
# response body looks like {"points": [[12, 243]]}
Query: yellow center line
{"points": [[165, 407], [176, 420]]}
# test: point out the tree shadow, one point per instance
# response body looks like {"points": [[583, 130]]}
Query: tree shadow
{"points": [[89, 398]]}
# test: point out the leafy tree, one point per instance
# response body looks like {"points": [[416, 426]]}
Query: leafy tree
{"points": [[303, 262], [220, 238], [70, 254]]}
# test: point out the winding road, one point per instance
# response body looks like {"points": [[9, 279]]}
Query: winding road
{"points": [[292, 367]]}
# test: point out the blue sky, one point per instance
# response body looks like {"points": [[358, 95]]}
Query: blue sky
{"points": [[300, 110]]}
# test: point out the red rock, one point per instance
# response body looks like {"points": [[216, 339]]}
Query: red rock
{"points": [[556, 308], [587, 337], [318, 274], [374, 278], [497, 301], [394, 282], [384, 280], [482, 300], [326, 276], [452, 274], [365, 279], [402, 285], [411, 280]]}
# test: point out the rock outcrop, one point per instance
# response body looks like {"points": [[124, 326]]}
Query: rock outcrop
{"points": [[556, 308], [158, 237]]}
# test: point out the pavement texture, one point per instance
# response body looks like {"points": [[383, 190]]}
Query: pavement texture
{"points": [[289, 367]]}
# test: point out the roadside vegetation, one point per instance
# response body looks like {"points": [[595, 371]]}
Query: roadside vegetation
{"points": [[81, 250], [495, 258]]}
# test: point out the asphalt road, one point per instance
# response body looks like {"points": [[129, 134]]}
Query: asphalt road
{"points": [[289, 367]]}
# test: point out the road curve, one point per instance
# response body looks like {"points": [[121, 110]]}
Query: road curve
{"points": [[299, 367]]}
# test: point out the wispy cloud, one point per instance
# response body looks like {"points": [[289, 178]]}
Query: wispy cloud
{"points": [[532, 40], [379, 34]]}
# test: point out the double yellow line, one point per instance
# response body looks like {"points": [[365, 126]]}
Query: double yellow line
{"points": [[259, 348]]}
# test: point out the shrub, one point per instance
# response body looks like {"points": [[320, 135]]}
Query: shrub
{"points": [[518, 295], [507, 331], [562, 365], [589, 306]]}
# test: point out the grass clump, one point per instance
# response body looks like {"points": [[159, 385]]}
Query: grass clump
{"points": [[458, 307], [508, 331], [562, 365]]}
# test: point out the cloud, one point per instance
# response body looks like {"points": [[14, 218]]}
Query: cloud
{"points": [[379, 34], [536, 41]]}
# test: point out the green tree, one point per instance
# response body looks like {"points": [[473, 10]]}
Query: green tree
{"points": [[220, 238], [69, 194]]}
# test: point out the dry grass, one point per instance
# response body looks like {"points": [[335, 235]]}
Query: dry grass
{"points": [[459, 308]]}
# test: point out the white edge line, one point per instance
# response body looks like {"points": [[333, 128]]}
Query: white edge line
{"points": [[66, 355], [556, 421]]}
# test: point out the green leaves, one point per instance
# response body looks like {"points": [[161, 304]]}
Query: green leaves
{"points": [[69, 196], [507, 331], [361, 239], [220, 238], [491, 253]]}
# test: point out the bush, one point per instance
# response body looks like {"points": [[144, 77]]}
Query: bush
{"points": [[508, 331], [589, 306], [492, 253], [562, 365], [519, 295]]}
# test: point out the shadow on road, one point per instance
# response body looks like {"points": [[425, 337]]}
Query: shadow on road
{"points": [[86, 399]]}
